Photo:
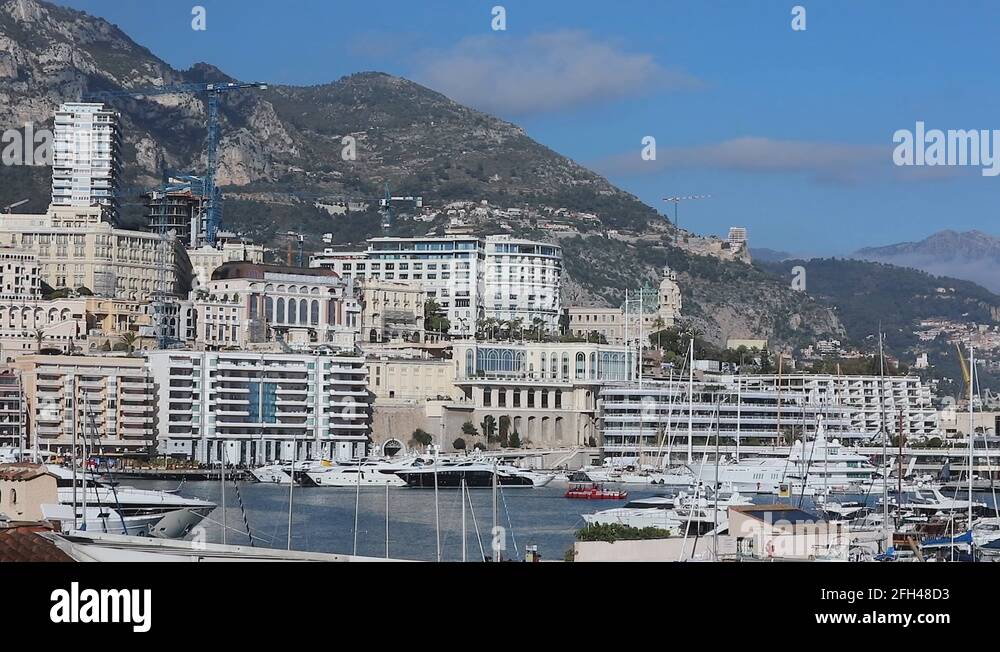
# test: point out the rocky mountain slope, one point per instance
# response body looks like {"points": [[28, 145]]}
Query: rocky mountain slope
{"points": [[281, 151], [970, 255]]}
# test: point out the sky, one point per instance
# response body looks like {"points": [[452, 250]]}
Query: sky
{"points": [[790, 131]]}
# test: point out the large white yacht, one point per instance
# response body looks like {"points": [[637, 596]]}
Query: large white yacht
{"points": [[123, 510], [475, 473]]}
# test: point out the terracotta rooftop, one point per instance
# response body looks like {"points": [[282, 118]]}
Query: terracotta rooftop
{"points": [[21, 542], [21, 472]]}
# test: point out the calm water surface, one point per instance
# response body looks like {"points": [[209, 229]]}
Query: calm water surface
{"points": [[323, 517]]}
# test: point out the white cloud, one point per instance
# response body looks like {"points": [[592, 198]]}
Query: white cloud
{"points": [[823, 161], [541, 72]]}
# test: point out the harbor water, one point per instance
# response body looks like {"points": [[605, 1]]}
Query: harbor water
{"points": [[323, 517]]}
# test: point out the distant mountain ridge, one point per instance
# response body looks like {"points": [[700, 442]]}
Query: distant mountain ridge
{"points": [[970, 255]]}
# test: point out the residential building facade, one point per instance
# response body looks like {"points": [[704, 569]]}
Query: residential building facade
{"points": [[87, 157], [109, 401], [254, 408]]}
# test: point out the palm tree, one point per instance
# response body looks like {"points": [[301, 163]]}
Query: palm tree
{"points": [[659, 325], [516, 325], [128, 339], [538, 324], [39, 339]]}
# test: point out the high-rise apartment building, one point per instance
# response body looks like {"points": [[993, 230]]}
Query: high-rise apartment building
{"points": [[253, 408], [86, 168]]}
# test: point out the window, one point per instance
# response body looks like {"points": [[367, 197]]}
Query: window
{"points": [[487, 397], [581, 363], [545, 398], [292, 310]]}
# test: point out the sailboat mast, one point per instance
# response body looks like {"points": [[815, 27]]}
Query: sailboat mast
{"points": [[496, 547], [291, 487], [972, 422], [691, 403], [464, 551], [885, 453]]}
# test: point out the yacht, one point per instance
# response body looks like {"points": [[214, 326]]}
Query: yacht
{"points": [[123, 510], [475, 473], [282, 472], [656, 511], [931, 502]]}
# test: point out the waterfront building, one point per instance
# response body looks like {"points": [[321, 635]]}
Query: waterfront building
{"points": [[546, 390], [87, 157], [75, 248], [655, 419], [254, 408], [109, 400], [470, 278], [247, 303]]}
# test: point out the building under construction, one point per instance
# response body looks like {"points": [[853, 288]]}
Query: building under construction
{"points": [[180, 205]]}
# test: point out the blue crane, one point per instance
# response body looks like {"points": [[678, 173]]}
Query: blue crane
{"points": [[214, 90]]}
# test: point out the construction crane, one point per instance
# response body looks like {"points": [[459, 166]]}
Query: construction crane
{"points": [[7, 209], [677, 199], [214, 91]]}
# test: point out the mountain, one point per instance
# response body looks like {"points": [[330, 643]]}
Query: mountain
{"points": [[970, 255], [280, 154], [766, 255], [868, 295]]}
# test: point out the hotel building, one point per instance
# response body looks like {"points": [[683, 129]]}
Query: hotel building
{"points": [[470, 278], [75, 248]]}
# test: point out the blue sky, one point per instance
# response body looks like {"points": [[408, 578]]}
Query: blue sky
{"points": [[790, 132]]}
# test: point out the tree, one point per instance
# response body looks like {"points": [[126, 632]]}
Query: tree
{"points": [[514, 440], [458, 444], [538, 326], [422, 437], [469, 429], [128, 338], [504, 429], [489, 428], [39, 339], [434, 319]]}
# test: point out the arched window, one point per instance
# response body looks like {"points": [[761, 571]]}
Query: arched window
{"points": [[553, 366], [292, 311], [280, 317], [593, 366], [314, 317], [581, 364], [470, 363], [303, 311], [565, 365], [268, 308]]}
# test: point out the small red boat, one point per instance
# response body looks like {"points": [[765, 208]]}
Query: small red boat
{"points": [[594, 492]]}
